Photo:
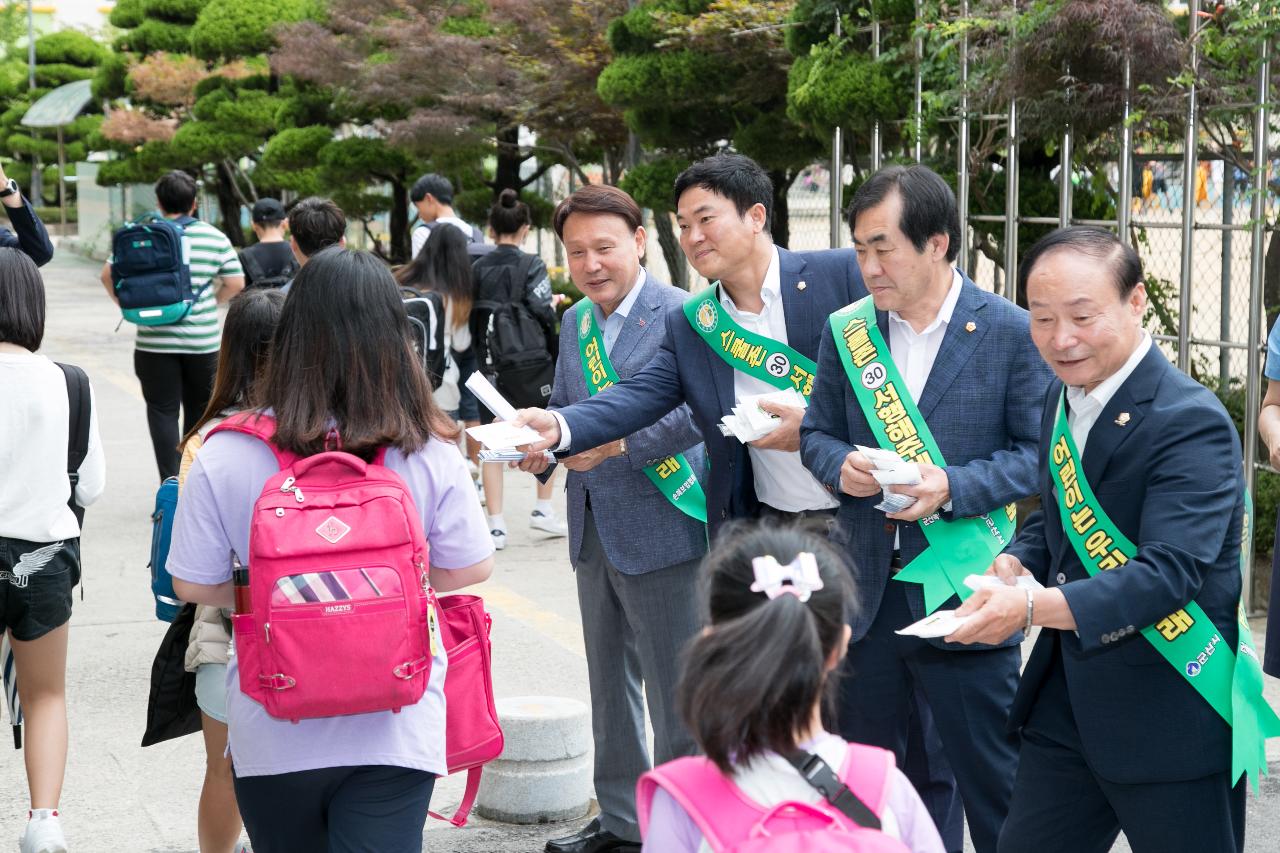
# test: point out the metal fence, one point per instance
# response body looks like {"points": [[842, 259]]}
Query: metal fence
{"points": [[1200, 224]]}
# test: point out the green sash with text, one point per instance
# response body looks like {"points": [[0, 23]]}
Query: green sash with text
{"points": [[959, 547], [755, 355], [673, 476], [1230, 681]]}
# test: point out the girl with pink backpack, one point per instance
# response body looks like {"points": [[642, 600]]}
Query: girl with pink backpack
{"points": [[329, 517], [753, 694]]}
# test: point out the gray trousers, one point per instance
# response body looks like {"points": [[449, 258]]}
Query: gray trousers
{"points": [[635, 627]]}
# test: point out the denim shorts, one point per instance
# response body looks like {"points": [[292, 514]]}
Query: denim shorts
{"points": [[468, 405], [211, 690], [36, 579]]}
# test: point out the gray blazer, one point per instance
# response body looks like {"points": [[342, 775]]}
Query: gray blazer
{"points": [[639, 528]]}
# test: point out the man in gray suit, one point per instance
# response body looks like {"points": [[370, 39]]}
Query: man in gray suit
{"points": [[637, 513]]}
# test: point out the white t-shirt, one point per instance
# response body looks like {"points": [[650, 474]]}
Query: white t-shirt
{"points": [[418, 238], [33, 451]]}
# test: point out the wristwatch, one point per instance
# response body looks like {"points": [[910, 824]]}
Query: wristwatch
{"points": [[9, 188], [622, 447]]}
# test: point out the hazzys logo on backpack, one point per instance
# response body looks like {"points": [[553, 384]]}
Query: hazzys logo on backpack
{"points": [[151, 271]]}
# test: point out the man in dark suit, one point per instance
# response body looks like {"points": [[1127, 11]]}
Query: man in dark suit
{"points": [[965, 357], [28, 234], [637, 580], [723, 205], [1114, 735]]}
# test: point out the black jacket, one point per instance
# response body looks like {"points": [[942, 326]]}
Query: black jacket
{"points": [[28, 235]]}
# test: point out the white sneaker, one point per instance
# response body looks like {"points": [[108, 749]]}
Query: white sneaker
{"points": [[499, 539], [44, 835], [539, 520]]}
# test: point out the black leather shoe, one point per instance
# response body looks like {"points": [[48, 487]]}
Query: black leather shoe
{"points": [[592, 839]]}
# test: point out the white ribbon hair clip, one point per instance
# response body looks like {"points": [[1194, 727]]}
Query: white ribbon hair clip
{"points": [[799, 577]]}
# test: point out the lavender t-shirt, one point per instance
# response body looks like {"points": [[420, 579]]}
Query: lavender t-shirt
{"points": [[213, 520]]}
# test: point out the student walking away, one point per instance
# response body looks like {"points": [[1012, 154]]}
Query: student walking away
{"points": [[315, 224], [513, 333], [349, 768], [176, 362], [637, 600], [754, 691], [28, 234], [246, 341], [40, 497], [1141, 707], [270, 261], [432, 195]]}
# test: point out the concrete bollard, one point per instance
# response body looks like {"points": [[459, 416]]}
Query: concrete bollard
{"points": [[544, 772]]}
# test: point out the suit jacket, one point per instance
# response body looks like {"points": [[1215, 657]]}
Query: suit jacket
{"points": [[639, 528], [1170, 478], [28, 235], [685, 369], [982, 402]]}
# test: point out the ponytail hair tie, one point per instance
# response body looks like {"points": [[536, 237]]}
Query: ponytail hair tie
{"points": [[800, 577]]}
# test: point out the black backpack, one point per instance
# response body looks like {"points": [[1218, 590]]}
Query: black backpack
{"points": [[258, 276], [514, 353], [80, 406], [426, 329]]}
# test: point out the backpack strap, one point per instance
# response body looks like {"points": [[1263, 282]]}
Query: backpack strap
{"points": [[260, 426], [252, 267], [80, 407], [722, 812], [835, 790]]}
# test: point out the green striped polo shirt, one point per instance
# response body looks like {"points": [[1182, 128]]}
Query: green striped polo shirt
{"points": [[211, 255]]}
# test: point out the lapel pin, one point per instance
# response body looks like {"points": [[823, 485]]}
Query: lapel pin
{"points": [[800, 285], [970, 326], [641, 321], [1123, 419]]}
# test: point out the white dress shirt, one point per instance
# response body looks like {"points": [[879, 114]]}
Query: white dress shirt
{"points": [[781, 479], [611, 326], [915, 352], [1085, 408]]}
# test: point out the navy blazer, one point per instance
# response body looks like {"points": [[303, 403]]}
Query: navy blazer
{"points": [[28, 235], [639, 529], [1170, 477], [685, 369], [982, 402]]}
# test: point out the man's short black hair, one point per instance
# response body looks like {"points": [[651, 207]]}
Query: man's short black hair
{"points": [[1091, 241], [176, 192], [928, 204], [22, 304], [733, 176], [437, 185], [316, 223]]}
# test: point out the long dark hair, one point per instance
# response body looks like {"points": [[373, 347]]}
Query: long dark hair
{"points": [[22, 302], [751, 680], [443, 265], [341, 361], [246, 342]]}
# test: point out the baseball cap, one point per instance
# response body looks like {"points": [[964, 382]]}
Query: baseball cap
{"points": [[268, 210]]}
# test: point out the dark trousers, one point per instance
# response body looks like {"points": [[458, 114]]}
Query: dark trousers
{"points": [[961, 697], [1061, 806], [369, 809], [635, 628], [169, 381]]}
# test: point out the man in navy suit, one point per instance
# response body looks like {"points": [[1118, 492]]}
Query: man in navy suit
{"points": [[966, 359], [1114, 737], [29, 234], [635, 553], [724, 208]]}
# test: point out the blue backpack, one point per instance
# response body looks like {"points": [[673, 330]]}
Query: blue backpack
{"points": [[150, 268], [167, 603]]}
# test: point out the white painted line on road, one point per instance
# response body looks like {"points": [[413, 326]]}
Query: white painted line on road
{"points": [[511, 604]]}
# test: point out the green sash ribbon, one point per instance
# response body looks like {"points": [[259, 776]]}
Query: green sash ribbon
{"points": [[959, 547], [673, 476], [757, 356], [1231, 682]]}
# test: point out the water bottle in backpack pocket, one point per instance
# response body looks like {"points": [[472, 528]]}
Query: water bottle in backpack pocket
{"points": [[151, 272], [167, 603]]}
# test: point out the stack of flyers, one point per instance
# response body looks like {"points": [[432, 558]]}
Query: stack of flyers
{"points": [[749, 422], [489, 455], [891, 470]]}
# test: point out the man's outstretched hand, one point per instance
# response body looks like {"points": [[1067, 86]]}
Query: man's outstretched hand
{"points": [[544, 423]]}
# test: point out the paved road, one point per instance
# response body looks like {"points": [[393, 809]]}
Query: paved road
{"points": [[119, 797]]}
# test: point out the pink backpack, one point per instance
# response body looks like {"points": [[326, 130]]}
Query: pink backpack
{"points": [[342, 617], [733, 823], [343, 588]]}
